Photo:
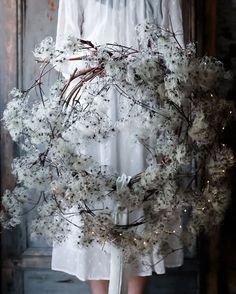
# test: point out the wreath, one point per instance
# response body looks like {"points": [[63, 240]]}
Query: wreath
{"points": [[172, 101]]}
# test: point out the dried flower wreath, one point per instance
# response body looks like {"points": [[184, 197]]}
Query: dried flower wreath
{"points": [[169, 98]]}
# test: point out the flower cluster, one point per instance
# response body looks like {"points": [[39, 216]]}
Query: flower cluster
{"points": [[168, 98]]}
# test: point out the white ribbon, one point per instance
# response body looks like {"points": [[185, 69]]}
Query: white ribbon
{"points": [[122, 182], [119, 272]]}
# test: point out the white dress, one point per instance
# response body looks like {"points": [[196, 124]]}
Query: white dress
{"points": [[103, 21]]}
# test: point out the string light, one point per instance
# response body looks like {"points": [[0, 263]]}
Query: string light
{"points": [[208, 185]]}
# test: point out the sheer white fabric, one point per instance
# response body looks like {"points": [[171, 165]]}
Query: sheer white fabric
{"points": [[103, 21]]}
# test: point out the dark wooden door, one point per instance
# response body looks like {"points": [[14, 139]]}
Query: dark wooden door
{"points": [[25, 262]]}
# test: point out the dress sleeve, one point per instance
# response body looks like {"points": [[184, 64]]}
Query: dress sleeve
{"points": [[70, 21], [172, 18]]}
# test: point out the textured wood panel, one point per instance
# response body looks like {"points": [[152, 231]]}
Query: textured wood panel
{"points": [[210, 25], [189, 20], [206, 16], [8, 80], [9, 56], [200, 24], [40, 18]]}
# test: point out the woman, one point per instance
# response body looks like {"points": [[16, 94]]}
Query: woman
{"points": [[103, 21]]}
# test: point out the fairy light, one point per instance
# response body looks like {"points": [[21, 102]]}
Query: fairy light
{"points": [[230, 112], [174, 231], [185, 210], [180, 227], [208, 185], [223, 128], [145, 243], [211, 95]]}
